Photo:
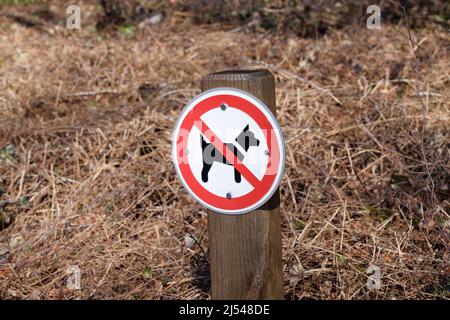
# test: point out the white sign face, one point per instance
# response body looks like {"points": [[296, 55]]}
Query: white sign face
{"points": [[228, 151]]}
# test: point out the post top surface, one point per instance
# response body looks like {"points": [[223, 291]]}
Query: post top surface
{"points": [[238, 74]]}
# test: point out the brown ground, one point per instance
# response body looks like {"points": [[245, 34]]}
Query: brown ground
{"points": [[86, 177]]}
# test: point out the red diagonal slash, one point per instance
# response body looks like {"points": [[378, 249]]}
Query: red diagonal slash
{"points": [[229, 155]]}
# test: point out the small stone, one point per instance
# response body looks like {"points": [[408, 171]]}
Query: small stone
{"points": [[156, 18], [298, 270], [189, 241], [12, 292], [16, 241], [35, 295]]}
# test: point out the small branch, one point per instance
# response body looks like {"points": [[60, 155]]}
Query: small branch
{"points": [[192, 236], [418, 93], [90, 93]]}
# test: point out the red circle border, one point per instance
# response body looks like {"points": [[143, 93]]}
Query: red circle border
{"points": [[222, 203]]}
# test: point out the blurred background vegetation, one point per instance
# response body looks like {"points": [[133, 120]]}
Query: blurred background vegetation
{"points": [[305, 18]]}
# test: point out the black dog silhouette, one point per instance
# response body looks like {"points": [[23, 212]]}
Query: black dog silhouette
{"points": [[246, 139]]}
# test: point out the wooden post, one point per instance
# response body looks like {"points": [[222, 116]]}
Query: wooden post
{"points": [[245, 250]]}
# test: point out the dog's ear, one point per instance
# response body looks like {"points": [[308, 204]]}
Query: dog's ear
{"points": [[246, 128]]}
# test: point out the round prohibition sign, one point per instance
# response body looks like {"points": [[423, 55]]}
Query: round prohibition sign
{"points": [[201, 123]]}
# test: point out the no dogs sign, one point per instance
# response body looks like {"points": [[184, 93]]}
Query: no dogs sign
{"points": [[228, 150]]}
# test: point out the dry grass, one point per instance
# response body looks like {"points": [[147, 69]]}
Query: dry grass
{"points": [[87, 178]]}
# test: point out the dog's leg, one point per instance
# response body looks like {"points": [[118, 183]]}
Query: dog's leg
{"points": [[205, 171], [209, 155], [237, 176]]}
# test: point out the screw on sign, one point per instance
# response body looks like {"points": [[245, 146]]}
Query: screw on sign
{"points": [[228, 151]]}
